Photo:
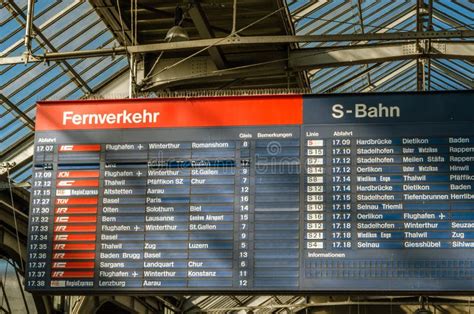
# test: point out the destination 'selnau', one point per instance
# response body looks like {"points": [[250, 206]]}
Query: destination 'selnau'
{"points": [[254, 194]]}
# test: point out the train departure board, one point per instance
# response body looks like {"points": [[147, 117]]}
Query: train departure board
{"points": [[283, 193]]}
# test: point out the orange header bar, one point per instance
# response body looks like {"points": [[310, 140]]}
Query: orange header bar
{"points": [[164, 113]]}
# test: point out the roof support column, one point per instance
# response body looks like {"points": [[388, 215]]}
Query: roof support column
{"points": [[424, 16], [419, 28], [205, 31], [429, 28], [29, 26]]}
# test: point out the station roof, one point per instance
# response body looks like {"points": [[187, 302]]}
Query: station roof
{"points": [[59, 26], [63, 26], [348, 17]]}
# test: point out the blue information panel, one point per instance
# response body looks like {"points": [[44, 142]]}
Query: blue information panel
{"points": [[363, 193]]}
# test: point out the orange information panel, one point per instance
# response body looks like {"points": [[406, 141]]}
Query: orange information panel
{"points": [[167, 113]]}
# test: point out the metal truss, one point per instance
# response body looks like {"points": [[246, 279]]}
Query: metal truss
{"points": [[237, 41], [310, 58], [363, 54], [15, 232], [205, 31], [336, 304], [298, 60], [29, 23]]}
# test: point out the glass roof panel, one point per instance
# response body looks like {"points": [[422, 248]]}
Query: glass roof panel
{"points": [[344, 17], [75, 25], [11, 33], [68, 26]]}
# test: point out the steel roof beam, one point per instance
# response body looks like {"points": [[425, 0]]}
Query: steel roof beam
{"points": [[390, 76], [60, 56], [29, 21], [22, 152], [351, 79], [314, 58], [420, 69], [399, 82], [19, 156], [308, 9], [46, 24], [240, 41], [118, 26], [171, 15], [455, 75], [453, 50], [77, 78], [305, 59], [328, 23], [392, 23], [444, 16], [446, 79], [29, 122], [286, 39], [362, 30], [204, 29]]}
